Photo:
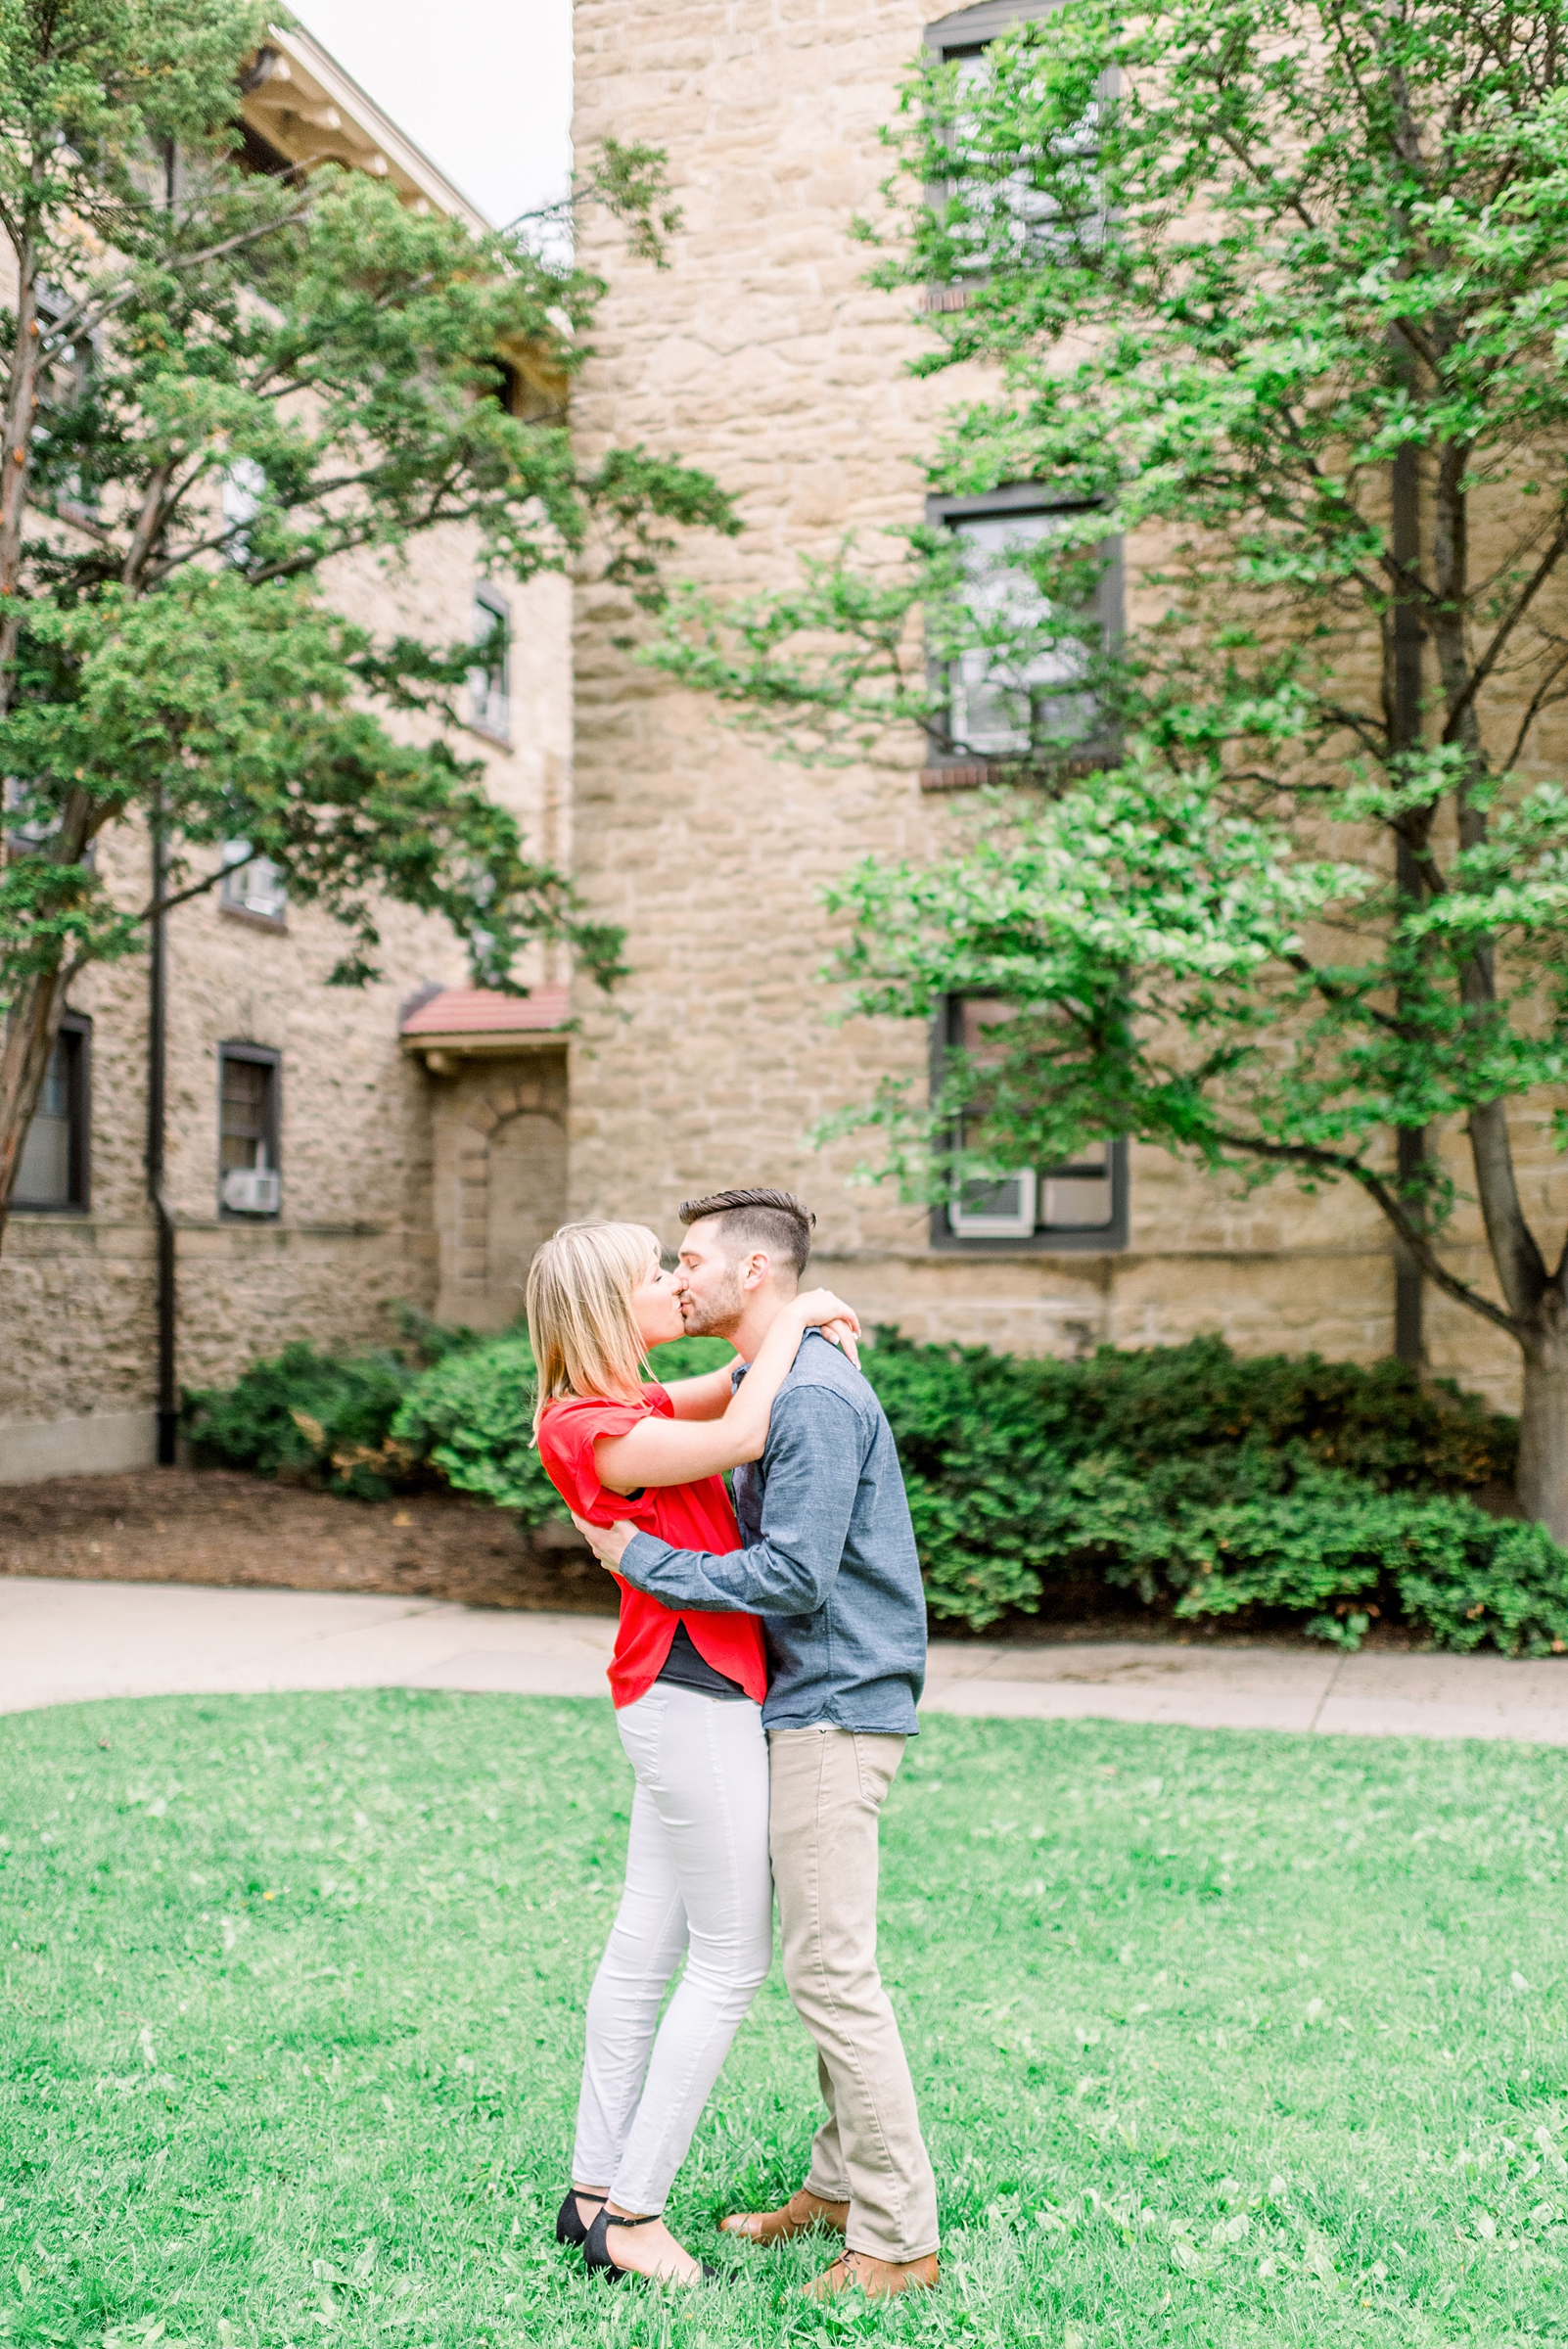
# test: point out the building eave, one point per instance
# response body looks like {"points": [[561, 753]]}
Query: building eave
{"points": [[441, 1052], [308, 107]]}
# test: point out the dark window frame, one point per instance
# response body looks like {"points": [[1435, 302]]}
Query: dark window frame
{"points": [[76, 1032], [73, 378], [258, 1056], [488, 598], [235, 909], [961, 769], [967, 31], [1106, 1239]]}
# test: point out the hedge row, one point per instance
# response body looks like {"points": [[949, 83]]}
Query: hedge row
{"points": [[1208, 1485]]}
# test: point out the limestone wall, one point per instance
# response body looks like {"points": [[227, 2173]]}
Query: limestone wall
{"points": [[760, 354]]}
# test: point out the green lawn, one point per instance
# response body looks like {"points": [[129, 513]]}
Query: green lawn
{"points": [[1220, 2039]]}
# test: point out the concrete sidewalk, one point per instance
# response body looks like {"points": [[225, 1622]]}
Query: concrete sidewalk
{"points": [[63, 1643]]}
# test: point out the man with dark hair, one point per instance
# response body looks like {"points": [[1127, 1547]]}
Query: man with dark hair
{"points": [[830, 1566], [775, 1221]]}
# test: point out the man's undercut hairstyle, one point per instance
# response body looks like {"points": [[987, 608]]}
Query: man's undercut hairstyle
{"points": [[774, 1220]]}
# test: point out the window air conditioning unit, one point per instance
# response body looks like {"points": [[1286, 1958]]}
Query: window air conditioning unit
{"points": [[252, 1191], [259, 890], [996, 1211]]}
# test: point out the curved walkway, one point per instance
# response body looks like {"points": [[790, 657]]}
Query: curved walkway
{"points": [[63, 1642]]}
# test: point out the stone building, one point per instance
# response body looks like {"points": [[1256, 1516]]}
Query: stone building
{"points": [[317, 1167], [763, 354], [421, 1137]]}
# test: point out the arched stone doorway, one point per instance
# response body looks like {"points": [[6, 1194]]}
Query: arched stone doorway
{"points": [[500, 1179], [528, 1191]]}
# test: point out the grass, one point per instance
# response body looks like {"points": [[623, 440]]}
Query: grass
{"points": [[1220, 2040]]}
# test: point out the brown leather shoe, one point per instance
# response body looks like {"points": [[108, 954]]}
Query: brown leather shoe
{"points": [[878, 2278], [801, 2213]]}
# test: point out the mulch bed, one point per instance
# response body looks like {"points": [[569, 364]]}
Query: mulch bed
{"points": [[220, 1526], [224, 1528]]}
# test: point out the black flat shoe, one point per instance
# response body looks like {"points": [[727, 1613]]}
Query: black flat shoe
{"points": [[597, 2252], [568, 2226]]}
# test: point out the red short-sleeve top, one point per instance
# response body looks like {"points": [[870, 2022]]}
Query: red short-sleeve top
{"points": [[694, 1516]]}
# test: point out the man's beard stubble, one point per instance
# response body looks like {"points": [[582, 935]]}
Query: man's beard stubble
{"points": [[722, 1314]]}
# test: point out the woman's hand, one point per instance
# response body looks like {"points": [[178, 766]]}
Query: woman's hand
{"points": [[840, 1323], [669, 1451], [840, 1334]]}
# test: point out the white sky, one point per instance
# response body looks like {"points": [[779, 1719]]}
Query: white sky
{"points": [[484, 86]]}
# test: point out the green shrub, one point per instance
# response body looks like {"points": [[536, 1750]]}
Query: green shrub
{"points": [[1341, 1553], [304, 1414], [1183, 1402], [1313, 1488], [371, 1423], [689, 1358], [1304, 1489], [471, 1416]]}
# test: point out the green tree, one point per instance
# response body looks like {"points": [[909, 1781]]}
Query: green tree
{"points": [[1276, 289], [215, 382]]}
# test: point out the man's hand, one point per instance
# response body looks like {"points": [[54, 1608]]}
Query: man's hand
{"points": [[607, 1543]]}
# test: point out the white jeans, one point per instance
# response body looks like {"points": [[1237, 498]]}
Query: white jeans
{"points": [[699, 1886]]}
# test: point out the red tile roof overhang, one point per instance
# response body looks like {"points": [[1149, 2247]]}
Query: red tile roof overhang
{"points": [[468, 1021]]}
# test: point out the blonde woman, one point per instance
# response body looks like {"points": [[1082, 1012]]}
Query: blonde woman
{"points": [[688, 1687]]}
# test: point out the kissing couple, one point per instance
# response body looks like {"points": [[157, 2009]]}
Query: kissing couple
{"points": [[764, 1678]]}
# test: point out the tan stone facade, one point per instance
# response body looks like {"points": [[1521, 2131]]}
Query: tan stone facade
{"points": [[364, 1148], [427, 1166], [762, 354], [499, 1071]]}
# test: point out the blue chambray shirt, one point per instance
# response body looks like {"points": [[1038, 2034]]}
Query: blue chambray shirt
{"points": [[829, 1562]]}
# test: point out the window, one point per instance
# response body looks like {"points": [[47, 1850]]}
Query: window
{"points": [[52, 1175], [243, 488], [29, 835], [488, 680], [253, 885], [249, 1179], [1035, 695], [65, 385], [1037, 219], [967, 31], [1074, 1208], [26, 834]]}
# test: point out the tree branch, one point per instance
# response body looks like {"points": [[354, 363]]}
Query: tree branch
{"points": [[1340, 995], [1338, 1164], [83, 315], [1542, 699], [1481, 669], [157, 907], [1521, 1266], [148, 522]]}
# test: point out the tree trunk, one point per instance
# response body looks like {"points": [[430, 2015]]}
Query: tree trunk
{"points": [[25, 1044], [28, 1032], [1403, 693], [15, 465], [34, 1019], [1542, 1480]]}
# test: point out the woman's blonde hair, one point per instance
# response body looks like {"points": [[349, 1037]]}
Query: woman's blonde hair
{"points": [[580, 1323]]}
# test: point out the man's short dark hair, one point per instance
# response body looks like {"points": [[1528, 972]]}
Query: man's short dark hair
{"points": [[772, 1219]]}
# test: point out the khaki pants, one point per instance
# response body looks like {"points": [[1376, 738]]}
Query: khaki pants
{"points": [[827, 1791]]}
